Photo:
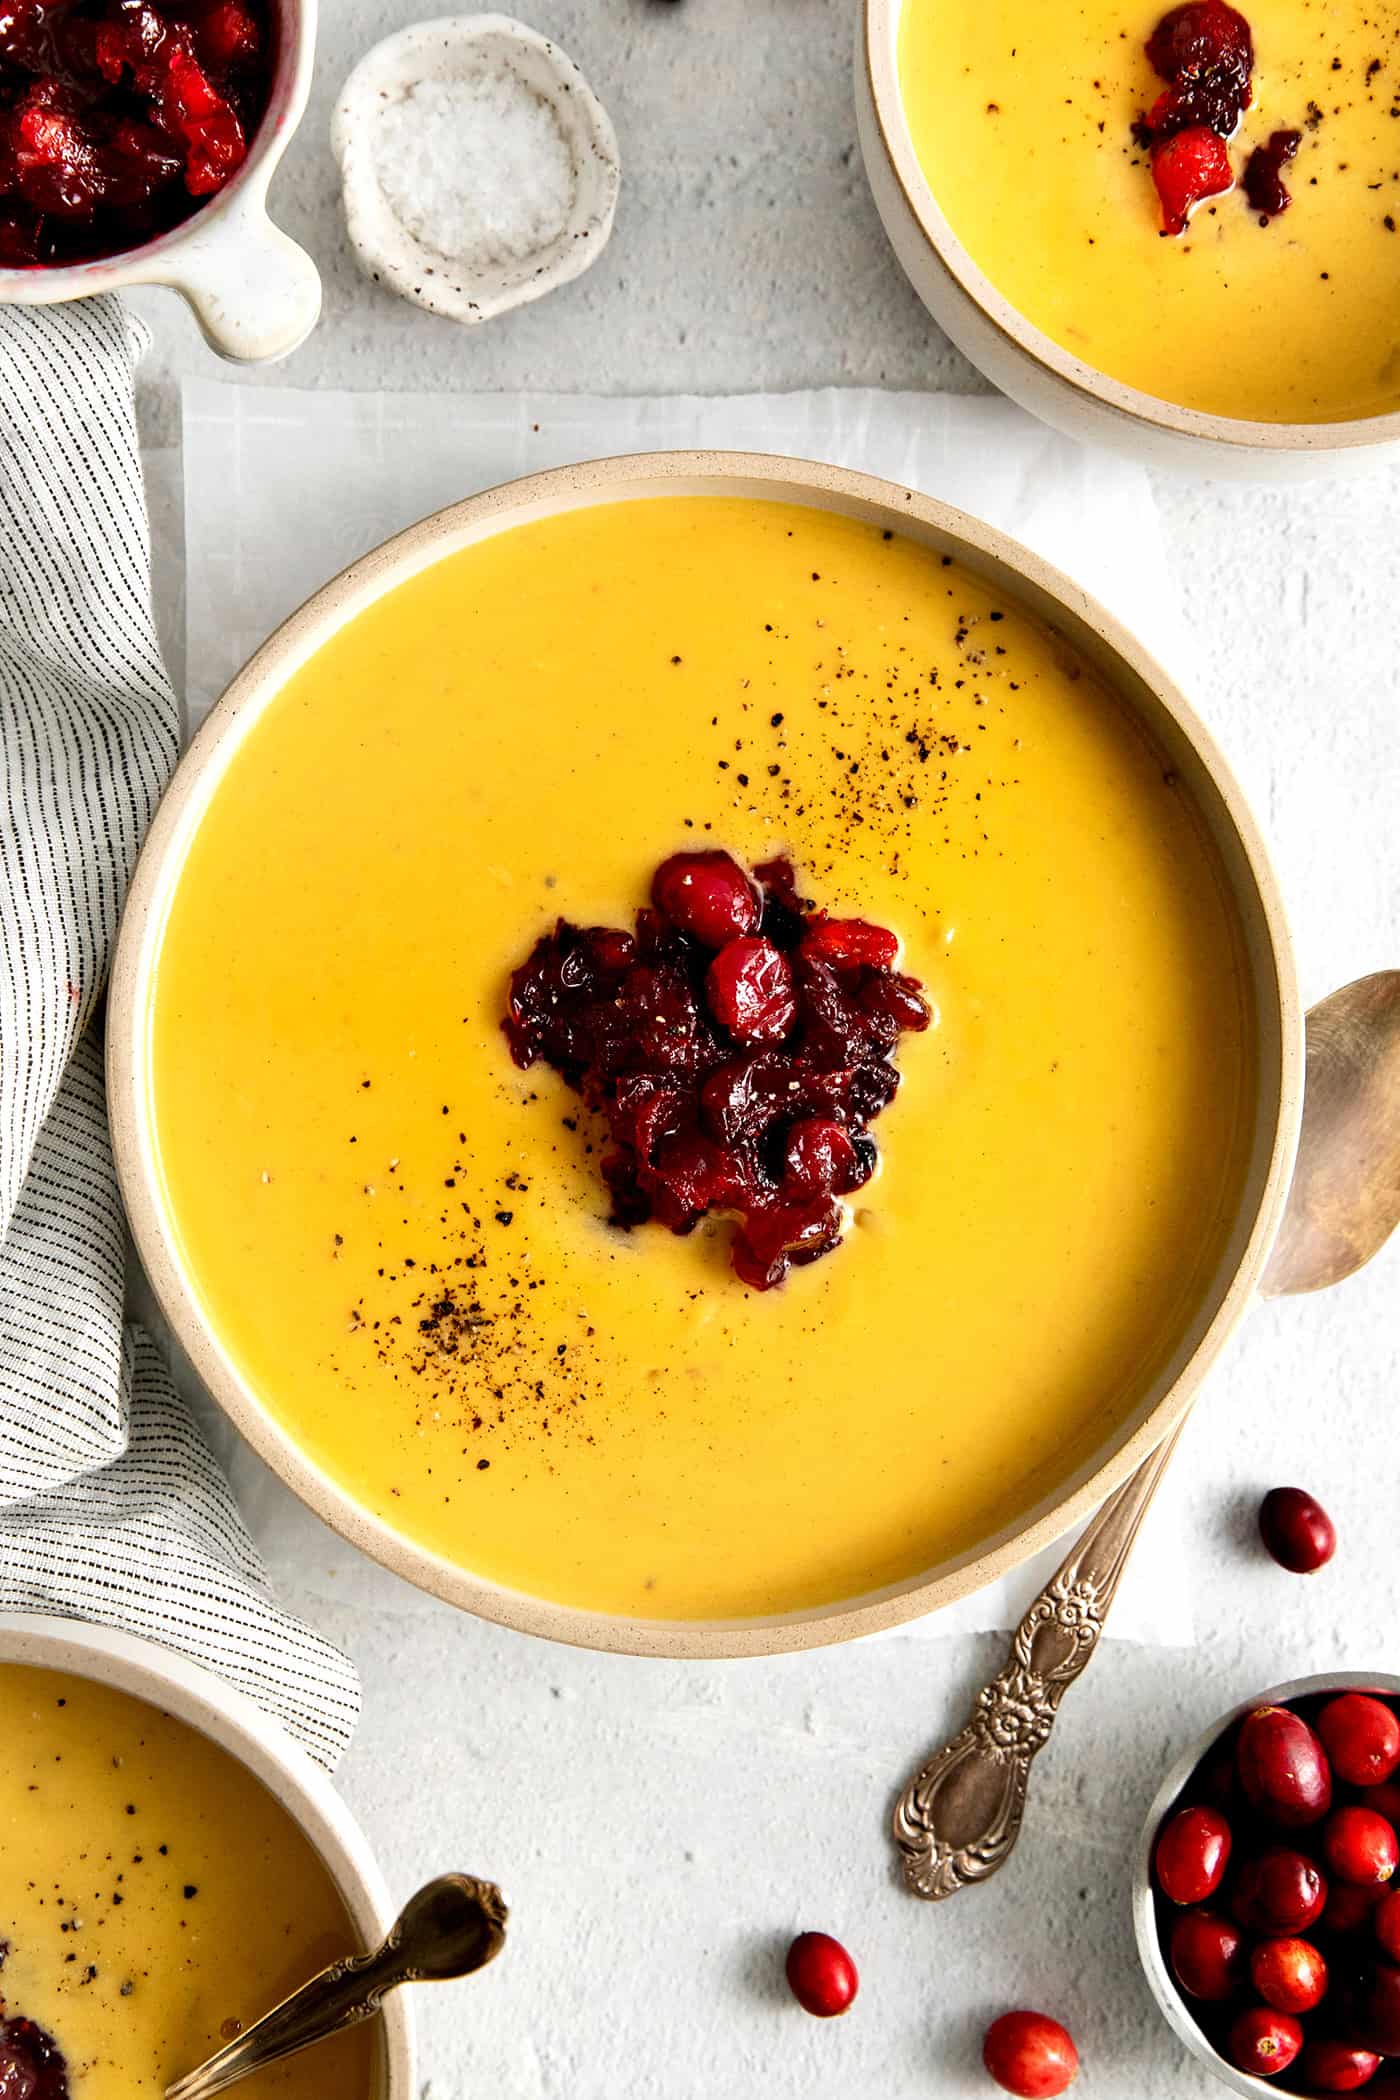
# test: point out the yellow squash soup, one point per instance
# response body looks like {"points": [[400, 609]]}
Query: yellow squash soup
{"points": [[401, 1240], [153, 1897], [1022, 115]]}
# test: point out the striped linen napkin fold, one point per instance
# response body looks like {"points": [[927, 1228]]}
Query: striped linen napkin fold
{"points": [[111, 1506]]}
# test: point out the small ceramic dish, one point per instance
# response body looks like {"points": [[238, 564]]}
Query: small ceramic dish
{"points": [[1175, 2008], [1023, 361], [204, 1702], [461, 48]]}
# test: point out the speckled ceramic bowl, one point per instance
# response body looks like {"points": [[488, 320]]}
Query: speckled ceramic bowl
{"points": [[255, 293], [1024, 362], [1143, 687], [1175, 2007], [204, 1702]]}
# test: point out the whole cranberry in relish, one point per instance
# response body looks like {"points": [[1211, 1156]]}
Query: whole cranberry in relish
{"points": [[738, 1044], [119, 117]]}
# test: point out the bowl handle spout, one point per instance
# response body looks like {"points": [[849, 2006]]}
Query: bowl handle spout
{"points": [[255, 294]]}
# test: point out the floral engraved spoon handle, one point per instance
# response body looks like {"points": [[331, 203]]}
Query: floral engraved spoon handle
{"points": [[959, 1817]]}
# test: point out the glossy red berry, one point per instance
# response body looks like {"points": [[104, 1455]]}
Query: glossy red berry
{"points": [[1282, 1767], [1297, 1530], [1279, 1891], [750, 990], [1361, 1737], [1031, 2055], [1207, 1955], [850, 944], [819, 1159], [1200, 37], [1360, 1846], [1264, 2042], [1385, 1923], [821, 1975], [1193, 1850], [1187, 168], [1328, 2066], [707, 895], [1290, 1975]]}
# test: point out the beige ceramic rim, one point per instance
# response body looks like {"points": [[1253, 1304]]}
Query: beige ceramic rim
{"points": [[946, 251], [163, 1679], [1092, 632]]}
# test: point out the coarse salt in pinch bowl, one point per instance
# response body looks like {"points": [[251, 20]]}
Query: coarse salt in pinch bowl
{"points": [[479, 168]]}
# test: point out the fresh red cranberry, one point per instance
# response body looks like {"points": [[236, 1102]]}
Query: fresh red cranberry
{"points": [[1297, 1530], [749, 986], [820, 1158], [1031, 2055], [1290, 1975], [708, 895], [1359, 1846], [1193, 1850], [1263, 173], [1328, 2066], [1348, 1908], [1207, 1955], [1263, 2041], [1188, 167], [1361, 1737], [1198, 37], [850, 944], [1282, 1767], [821, 1975], [1279, 1891]]}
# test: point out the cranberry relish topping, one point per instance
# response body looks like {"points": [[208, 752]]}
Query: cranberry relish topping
{"points": [[31, 2067], [1205, 53], [118, 117], [738, 1043]]}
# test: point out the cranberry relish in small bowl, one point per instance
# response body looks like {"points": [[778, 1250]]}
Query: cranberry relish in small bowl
{"points": [[1263, 1898]]}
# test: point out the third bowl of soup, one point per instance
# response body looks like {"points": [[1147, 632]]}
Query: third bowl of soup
{"points": [[703, 1053], [1169, 230]]}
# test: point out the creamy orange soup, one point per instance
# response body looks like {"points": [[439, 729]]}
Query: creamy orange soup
{"points": [[608, 1419], [1022, 118], [154, 1897]]}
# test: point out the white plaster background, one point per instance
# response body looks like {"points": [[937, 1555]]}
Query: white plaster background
{"points": [[661, 1831]]}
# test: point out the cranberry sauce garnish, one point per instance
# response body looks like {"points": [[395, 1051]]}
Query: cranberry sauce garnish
{"points": [[1263, 174], [1205, 53], [31, 2067], [119, 117], [738, 1044]]}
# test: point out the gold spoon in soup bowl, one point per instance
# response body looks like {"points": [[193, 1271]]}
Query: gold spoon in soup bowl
{"points": [[451, 1928], [960, 1815]]}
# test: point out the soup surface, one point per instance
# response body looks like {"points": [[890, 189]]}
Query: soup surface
{"points": [[151, 1893], [401, 1239], [1022, 119]]}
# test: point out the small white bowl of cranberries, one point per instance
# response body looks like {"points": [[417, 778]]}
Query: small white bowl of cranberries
{"points": [[1266, 1894]]}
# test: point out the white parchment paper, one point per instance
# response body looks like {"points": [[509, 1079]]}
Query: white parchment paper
{"points": [[283, 489]]}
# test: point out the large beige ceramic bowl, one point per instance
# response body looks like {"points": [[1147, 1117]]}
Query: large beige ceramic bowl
{"points": [[1048, 380], [1009, 569], [204, 1702]]}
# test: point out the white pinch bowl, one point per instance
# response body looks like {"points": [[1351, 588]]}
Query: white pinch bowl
{"points": [[255, 294], [458, 47], [1054, 384], [262, 1746]]}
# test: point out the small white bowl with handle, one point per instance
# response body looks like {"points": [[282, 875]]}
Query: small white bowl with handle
{"points": [[255, 294]]}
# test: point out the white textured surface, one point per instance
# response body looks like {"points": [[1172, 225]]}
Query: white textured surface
{"points": [[661, 1831]]}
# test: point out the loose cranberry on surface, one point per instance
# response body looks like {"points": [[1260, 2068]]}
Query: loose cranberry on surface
{"points": [[850, 943], [1279, 1891], [1192, 1853], [1283, 1768], [749, 986], [1031, 2055], [1263, 2041], [1359, 1846], [1200, 36], [1187, 168], [1207, 1955], [1297, 1530], [1385, 1923], [1361, 1737], [1327, 2066], [1263, 173], [1290, 1975], [821, 1975], [707, 894]]}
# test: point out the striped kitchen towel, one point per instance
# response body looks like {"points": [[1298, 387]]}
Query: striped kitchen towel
{"points": [[111, 1506]]}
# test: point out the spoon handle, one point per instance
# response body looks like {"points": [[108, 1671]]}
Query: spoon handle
{"points": [[341, 1996], [960, 1815]]}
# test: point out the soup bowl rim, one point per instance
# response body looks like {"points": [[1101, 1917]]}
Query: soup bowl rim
{"points": [[989, 553]]}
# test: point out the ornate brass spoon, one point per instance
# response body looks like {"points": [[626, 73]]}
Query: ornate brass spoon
{"points": [[959, 1817], [450, 1928]]}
